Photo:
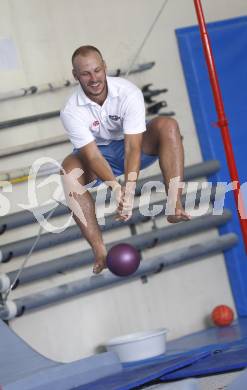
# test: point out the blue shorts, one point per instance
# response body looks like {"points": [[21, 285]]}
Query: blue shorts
{"points": [[114, 155]]}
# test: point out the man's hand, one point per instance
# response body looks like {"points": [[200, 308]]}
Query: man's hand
{"points": [[125, 199]]}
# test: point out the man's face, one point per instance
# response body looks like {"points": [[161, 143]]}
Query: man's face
{"points": [[90, 71]]}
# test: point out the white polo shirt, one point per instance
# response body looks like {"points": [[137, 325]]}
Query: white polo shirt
{"points": [[123, 112]]}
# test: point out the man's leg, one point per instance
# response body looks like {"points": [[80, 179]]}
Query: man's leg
{"points": [[82, 205], [163, 138]]}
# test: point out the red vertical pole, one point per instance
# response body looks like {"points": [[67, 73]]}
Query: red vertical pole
{"points": [[222, 120]]}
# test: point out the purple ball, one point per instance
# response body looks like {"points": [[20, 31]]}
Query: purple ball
{"points": [[123, 259]]}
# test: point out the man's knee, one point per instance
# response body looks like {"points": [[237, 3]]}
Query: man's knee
{"points": [[71, 171], [73, 166], [68, 164], [167, 127], [166, 123]]}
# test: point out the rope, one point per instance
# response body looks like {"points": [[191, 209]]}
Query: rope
{"points": [[146, 37], [6, 294]]}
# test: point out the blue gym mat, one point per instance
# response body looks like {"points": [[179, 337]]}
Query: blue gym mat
{"points": [[234, 358], [21, 367], [143, 373], [184, 354]]}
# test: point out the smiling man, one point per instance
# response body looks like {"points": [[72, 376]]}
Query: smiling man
{"points": [[105, 121]]}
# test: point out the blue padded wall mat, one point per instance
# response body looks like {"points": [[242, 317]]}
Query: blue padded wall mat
{"points": [[228, 39], [235, 358]]}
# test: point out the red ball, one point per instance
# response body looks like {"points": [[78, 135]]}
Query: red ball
{"points": [[123, 259], [222, 315]]}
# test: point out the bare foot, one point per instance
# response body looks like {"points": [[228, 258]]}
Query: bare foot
{"points": [[100, 260], [99, 266], [179, 216]]}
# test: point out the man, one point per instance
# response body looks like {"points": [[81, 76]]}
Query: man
{"points": [[105, 121]]}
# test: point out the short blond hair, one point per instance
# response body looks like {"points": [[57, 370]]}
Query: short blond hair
{"points": [[84, 51]]}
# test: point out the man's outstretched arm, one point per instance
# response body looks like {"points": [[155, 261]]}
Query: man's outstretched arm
{"points": [[132, 161], [93, 159]]}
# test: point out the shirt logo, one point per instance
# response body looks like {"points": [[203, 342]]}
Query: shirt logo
{"points": [[95, 124], [114, 117]]}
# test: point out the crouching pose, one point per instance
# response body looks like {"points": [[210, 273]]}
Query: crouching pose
{"points": [[105, 121]]}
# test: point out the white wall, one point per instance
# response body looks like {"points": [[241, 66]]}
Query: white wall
{"points": [[45, 34]]}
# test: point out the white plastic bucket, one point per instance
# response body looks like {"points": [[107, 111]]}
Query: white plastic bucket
{"points": [[139, 346]]}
